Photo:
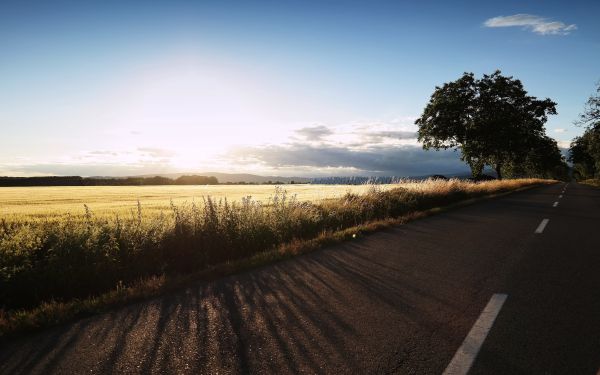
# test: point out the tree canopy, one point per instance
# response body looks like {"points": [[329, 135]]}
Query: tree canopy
{"points": [[493, 122], [585, 149]]}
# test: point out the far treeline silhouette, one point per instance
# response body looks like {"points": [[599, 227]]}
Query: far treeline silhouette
{"points": [[92, 181], [493, 122]]}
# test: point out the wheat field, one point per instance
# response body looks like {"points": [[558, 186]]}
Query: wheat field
{"points": [[17, 203], [30, 203]]}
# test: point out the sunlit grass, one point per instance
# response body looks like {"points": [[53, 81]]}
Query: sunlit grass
{"points": [[26, 203], [17, 203], [591, 182], [46, 263]]}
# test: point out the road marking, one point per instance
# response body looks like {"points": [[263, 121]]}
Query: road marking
{"points": [[560, 196], [466, 354], [542, 225], [555, 204]]}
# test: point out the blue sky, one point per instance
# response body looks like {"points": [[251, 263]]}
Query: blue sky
{"points": [[278, 87]]}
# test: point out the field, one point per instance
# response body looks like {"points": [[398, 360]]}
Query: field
{"points": [[18, 203], [58, 259]]}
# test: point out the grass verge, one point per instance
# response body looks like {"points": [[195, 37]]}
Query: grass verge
{"points": [[353, 216], [592, 182]]}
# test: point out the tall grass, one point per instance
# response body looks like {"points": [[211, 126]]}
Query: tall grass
{"points": [[79, 256], [49, 202], [591, 182]]}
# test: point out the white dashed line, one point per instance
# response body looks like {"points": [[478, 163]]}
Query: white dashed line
{"points": [[542, 225], [555, 204], [560, 196], [466, 354]]}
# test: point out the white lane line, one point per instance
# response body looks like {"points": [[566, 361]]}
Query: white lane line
{"points": [[555, 204], [542, 225], [560, 196], [466, 354]]}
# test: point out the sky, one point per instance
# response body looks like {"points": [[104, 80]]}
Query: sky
{"points": [[290, 88]]}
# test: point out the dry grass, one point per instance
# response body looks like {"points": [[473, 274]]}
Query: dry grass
{"points": [[595, 183], [455, 185], [51, 270], [46, 203], [18, 203]]}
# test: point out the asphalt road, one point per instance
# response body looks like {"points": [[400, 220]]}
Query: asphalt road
{"points": [[400, 301]]}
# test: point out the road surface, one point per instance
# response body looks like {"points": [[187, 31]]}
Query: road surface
{"points": [[487, 287]]}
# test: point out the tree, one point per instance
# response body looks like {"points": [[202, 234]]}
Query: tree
{"points": [[196, 180], [584, 152], [491, 121], [591, 114], [543, 160]]}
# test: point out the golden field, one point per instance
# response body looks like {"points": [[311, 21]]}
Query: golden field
{"points": [[18, 203], [52, 202]]}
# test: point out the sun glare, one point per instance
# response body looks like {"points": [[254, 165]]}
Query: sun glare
{"points": [[195, 110]]}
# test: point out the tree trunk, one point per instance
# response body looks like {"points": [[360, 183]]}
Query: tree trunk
{"points": [[476, 172], [499, 171], [476, 168]]}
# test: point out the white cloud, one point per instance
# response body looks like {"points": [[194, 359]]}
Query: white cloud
{"points": [[537, 24], [314, 133], [560, 130]]}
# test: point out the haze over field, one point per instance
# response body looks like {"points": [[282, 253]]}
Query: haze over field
{"points": [[276, 88]]}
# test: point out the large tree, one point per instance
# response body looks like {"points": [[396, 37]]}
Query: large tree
{"points": [[585, 149], [491, 121]]}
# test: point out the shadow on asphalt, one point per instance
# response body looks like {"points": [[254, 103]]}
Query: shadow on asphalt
{"points": [[287, 318]]}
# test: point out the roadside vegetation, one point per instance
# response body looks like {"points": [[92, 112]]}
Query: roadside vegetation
{"points": [[591, 182], [52, 202], [54, 269], [585, 149]]}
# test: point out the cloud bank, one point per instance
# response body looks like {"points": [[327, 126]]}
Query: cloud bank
{"points": [[375, 149], [536, 24], [333, 160]]}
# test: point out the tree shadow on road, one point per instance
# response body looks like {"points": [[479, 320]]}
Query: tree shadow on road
{"points": [[342, 310]]}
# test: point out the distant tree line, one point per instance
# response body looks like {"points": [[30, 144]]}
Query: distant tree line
{"points": [[584, 152], [92, 181], [493, 122]]}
